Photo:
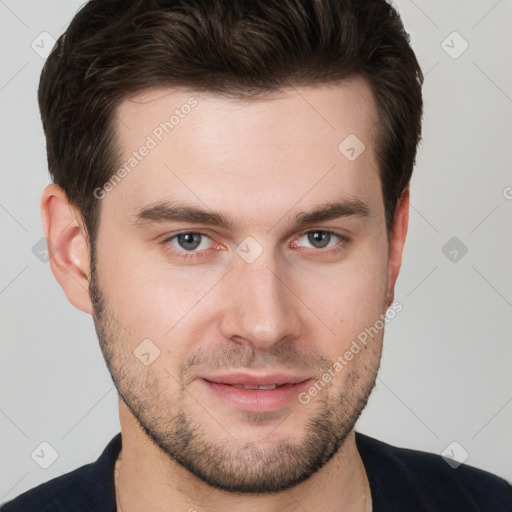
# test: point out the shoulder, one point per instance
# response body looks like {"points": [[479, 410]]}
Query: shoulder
{"points": [[426, 479], [52, 495], [86, 488]]}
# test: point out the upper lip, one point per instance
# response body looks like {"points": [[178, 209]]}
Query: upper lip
{"points": [[248, 379]]}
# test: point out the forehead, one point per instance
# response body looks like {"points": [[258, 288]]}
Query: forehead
{"points": [[296, 146], [339, 106]]}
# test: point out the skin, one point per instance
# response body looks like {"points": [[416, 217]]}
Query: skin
{"points": [[296, 307]]}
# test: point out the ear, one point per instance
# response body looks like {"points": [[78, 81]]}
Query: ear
{"points": [[68, 246], [396, 244]]}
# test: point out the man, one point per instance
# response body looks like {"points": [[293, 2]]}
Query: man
{"points": [[230, 203]]}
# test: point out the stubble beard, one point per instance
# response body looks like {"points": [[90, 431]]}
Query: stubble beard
{"points": [[236, 467]]}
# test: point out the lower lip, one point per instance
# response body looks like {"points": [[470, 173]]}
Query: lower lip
{"points": [[257, 400]]}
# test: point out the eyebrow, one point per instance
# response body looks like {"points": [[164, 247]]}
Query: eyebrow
{"points": [[165, 211]]}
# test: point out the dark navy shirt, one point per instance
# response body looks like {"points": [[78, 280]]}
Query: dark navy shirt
{"points": [[401, 480]]}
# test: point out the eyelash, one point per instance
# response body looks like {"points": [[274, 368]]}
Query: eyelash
{"points": [[189, 255]]}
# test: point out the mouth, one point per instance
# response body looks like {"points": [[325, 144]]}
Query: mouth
{"points": [[249, 386], [251, 393]]}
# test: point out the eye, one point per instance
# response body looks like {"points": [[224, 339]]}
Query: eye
{"points": [[193, 244], [321, 240], [188, 243]]}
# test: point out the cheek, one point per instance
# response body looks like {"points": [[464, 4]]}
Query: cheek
{"points": [[351, 300], [153, 299]]}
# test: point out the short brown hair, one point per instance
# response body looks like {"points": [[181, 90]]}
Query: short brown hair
{"points": [[238, 48]]}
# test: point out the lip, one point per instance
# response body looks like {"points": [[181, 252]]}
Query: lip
{"points": [[257, 380], [256, 400]]}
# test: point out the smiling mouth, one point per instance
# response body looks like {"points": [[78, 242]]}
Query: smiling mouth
{"points": [[249, 386], [249, 395], [250, 381]]}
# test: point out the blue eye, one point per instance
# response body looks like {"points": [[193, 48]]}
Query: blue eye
{"points": [[320, 239], [324, 242], [189, 240], [194, 244]]}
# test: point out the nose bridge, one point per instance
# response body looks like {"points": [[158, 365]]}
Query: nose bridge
{"points": [[262, 310]]}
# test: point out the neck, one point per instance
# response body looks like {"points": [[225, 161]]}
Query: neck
{"points": [[147, 479]]}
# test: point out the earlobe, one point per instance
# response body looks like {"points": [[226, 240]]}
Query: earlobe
{"points": [[396, 244], [68, 246]]}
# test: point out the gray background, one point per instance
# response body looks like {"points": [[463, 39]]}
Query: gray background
{"points": [[445, 374]]}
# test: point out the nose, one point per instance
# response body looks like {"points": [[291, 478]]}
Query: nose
{"points": [[262, 309]]}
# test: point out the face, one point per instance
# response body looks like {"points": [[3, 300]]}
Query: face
{"points": [[201, 315]]}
